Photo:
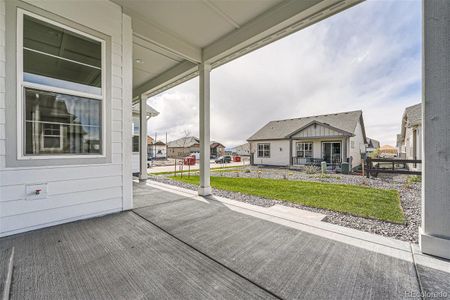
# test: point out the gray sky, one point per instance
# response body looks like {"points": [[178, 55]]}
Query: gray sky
{"points": [[368, 58]]}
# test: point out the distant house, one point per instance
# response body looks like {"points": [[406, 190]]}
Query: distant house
{"points": [[411, 134], [157, 150], [400, 147], [151, 112], [184, 146], [216, 149], [333, 138], [242, 150], [372, 145]]}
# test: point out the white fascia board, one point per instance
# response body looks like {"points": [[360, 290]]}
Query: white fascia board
{"points": [[285, 18], [172, 77], [164, 40]]}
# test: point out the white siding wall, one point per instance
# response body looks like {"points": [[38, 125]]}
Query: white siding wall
{"points": [[409, 145], [79, 191], [2, 87], [359, 145], [277, 157]]}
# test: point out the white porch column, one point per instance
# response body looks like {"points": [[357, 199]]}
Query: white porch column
{"points": [[435, 230], [204, 112], [143, 139]]}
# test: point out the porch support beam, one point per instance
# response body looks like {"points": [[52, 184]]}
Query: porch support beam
{"points": [[277, 22], [435, 229], [204, 112], [143, 139], [174, 76]]}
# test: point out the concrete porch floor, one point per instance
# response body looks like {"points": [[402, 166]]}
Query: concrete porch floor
{"points": [[173, 246]]}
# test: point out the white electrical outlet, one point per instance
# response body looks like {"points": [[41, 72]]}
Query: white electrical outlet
{"points": [[36, 191]]}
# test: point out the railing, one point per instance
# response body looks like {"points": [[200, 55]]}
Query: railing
{"points": [[390, 165], [310, 161]]}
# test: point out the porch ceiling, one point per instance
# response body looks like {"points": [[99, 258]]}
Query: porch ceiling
{"points": [[171, 37]]}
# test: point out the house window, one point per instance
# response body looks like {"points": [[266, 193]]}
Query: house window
{"points": [[62, 87], [304, 150], [51, 136], [263, 150]]}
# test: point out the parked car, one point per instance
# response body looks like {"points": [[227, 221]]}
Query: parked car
{"points": [[223, 159]]}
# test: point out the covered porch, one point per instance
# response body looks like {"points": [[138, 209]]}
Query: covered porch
{"points": [[175, 244], [261, 26]]}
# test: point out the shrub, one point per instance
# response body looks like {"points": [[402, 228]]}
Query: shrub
{"points": [[411, 180], [311, 170]]}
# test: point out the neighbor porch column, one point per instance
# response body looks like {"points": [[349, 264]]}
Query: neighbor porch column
{"points": [[435, 230], [204, 112], [143, 139]]}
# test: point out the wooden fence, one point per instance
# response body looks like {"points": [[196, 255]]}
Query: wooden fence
{"points": [[393, 166]]}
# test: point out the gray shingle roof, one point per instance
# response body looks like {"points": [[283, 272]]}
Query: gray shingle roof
{"points": [[373, 143], [283, 128], [414, 114], [190, 141], [184, 142], [151, 112]]}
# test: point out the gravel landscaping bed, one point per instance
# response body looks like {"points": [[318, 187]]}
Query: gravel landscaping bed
{"points": [[409, 197]]}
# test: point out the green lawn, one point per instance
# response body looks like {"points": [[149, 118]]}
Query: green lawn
{"points": [[356, 200]]}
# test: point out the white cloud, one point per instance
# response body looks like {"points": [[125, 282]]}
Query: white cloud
{"points": [[365, 58]]}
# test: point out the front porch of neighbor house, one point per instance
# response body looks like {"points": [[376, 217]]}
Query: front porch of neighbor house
{"points": [[333, 138], [175, 244]]}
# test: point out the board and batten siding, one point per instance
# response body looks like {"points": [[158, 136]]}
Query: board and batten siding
{"points": [[316, 130], [84, 190]]}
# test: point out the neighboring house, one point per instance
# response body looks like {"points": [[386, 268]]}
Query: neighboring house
{"points": [[183, 147], [411, 134], [157, 150], [400, 147], [151, 112], [242, 150], [187, 145], [333, 138], [216, 149], [372, 145]]}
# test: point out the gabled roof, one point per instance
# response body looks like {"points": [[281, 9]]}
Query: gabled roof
{"points": [[159, 143], [183, 142], [373, 143], [151, 112], [411, 117], [414, 114], [283, 129], [215, 144]]}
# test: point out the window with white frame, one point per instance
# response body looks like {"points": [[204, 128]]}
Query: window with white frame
{"points": [[263, 150], [61, 81], [305, 150]]}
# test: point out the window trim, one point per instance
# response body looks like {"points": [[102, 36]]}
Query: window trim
{"points": [[60, 136], [21, 85], [257, 150], [304, 151]]}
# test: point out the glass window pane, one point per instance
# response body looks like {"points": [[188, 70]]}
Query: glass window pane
{"points": [[44, 37], [43, 65], [61, 124]]}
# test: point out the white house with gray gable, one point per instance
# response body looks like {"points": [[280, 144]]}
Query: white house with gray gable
{"points": [[334, 138]]}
